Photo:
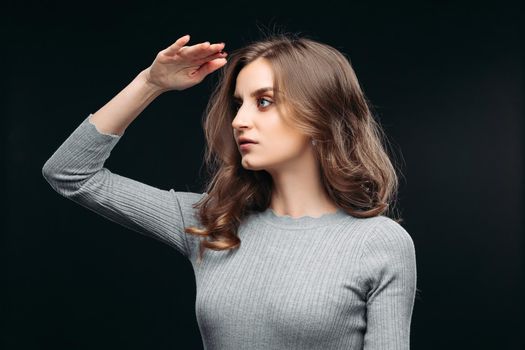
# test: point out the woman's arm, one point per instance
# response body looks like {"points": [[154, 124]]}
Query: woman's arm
{"points": [[389, 269], [76, 171], [116, 115], [177, 67]]}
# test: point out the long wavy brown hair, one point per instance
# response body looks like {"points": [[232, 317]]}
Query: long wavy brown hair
{"points": [[316, 90]]}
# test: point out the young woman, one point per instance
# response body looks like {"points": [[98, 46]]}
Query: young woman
{"points": [[289, 242]]}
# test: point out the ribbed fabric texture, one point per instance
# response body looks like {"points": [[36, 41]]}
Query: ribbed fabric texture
{"points": [[331, 282]]}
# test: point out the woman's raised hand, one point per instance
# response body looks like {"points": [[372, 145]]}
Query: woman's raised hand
{"points": [[179, 67]]}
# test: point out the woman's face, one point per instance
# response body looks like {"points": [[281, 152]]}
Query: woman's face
{"points": [[278, 146]]}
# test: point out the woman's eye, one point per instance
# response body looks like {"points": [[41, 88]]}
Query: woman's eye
{"points": [[263, 99], [237, 105]]}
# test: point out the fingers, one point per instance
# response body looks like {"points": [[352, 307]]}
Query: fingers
{"points": [[220, 54], [177, 45], [209, 57], [201, 50], [210, 66]]}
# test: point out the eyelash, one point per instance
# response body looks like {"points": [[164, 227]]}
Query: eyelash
{"points": [[236, 104]]}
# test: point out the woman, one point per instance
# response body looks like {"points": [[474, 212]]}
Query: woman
{"points": [[298, 174]]}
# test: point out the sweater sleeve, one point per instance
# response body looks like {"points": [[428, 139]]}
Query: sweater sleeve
{"points": [[76, 172], [389, 267]]}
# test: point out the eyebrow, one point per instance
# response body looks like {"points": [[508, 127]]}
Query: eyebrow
{"points": [[256, 92]]}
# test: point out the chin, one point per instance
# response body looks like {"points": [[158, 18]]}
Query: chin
{"points": [[246, 164]]}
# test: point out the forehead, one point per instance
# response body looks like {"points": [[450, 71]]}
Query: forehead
{"points": [[255, 75]]}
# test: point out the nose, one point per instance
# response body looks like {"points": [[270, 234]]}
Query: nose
{"points": [[241, 120]]}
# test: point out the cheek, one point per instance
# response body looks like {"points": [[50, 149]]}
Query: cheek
{"points": [[280, 140], [293, 139], [290, 146]]}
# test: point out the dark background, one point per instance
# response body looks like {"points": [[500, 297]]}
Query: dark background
{"points": [[446, 82]]}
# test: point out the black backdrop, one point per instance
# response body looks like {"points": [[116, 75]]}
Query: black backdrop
{"points": [[445, 79]]}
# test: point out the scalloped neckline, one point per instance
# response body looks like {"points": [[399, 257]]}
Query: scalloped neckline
{"points": [[302, 222], [301, 217]]}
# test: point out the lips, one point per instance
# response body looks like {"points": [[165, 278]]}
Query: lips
{"points": [[245, 140]]}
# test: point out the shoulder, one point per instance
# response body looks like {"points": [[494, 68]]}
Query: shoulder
{"points": [[388, 254], [391, 230], [186, 202], [378, 227], [388, 237], [188, 198]]}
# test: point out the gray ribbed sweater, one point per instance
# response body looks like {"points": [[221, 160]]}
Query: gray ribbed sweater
{"points": [[332, 282]]}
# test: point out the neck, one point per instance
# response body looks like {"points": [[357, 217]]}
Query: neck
{"points": [[300, 193]]}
